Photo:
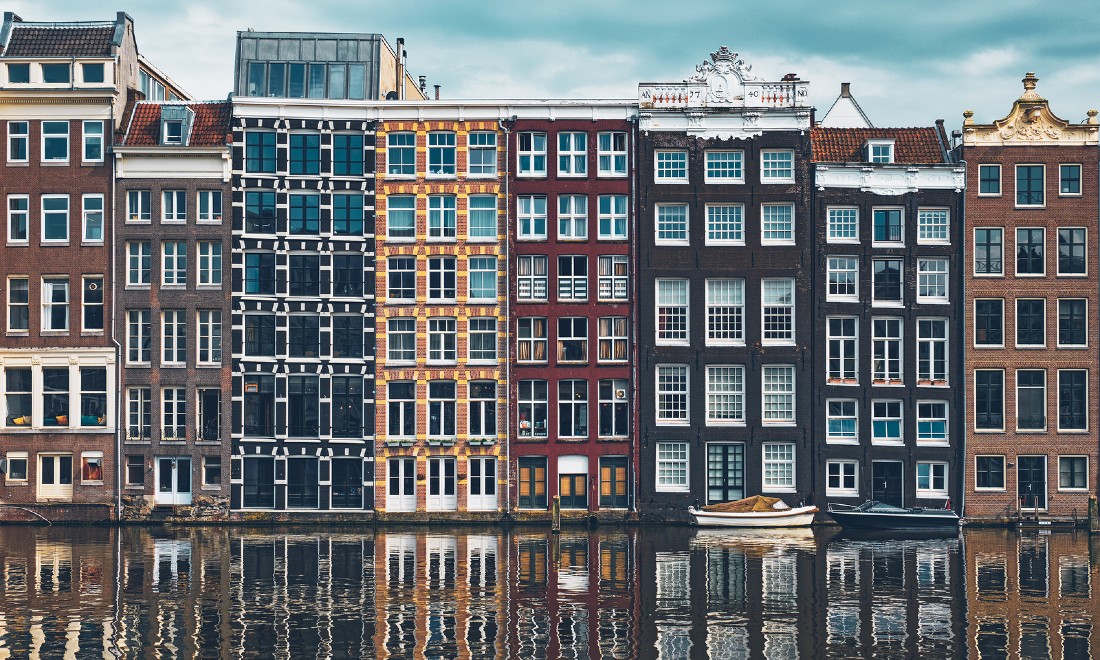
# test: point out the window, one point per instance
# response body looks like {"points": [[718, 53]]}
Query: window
{"points": [[886, 281], [881, 152], [305, 214], [347, 275], [931, 479], [18, 139], [531, 277], [614, 409], [442, 345], [211, 471], [532, 408], [725, 224], [671, 166], [172, 131], [613, 338], [401, 217], [482, 278], [989, 322], [19, 391], [989, 472], [259, 152], [173, 408], [135, 470], [1030, 185], [988, 251], [401, 279], [1071, 251], [259, 405], [572, 154], [840, 479], [778, 386], [93, 219], [93, 141], [304, 275], [724, 167], [55, 304], [573, 278], [886, 423], [173, 206], [18, 218], [672, 311], [92, 303], [672, 394], [672, 466], [401, 154], [347, 407], [778, 467], [19, 304], [303, 335], [347, 215], [482, 217], [91, 467], [933, 226], [302, 407], [93, 396], [259, 334], [931, 351], [210, 336], [483, 340], [482, 153], [55, 73], [725, 395], [777, 310], [532, 154], [1073, 471], [614, 277], [1031, 400], [442, 217], [441, 279], [259, 482], [1070, 179], [777, 223], [531, 212], [259, 273], [441, 410], [347, 154], [672, 224], [886, 351], [989, 413], [932, 423], [347, 336], [573, 408], [401, 340], [611, 154], [305, 153], [843, 279], [1072, 322], [1073, 400], [841, 421], [401, 410], [531, 339], [173, 337], [532, 482], [174, 263], [55, 397], [887, 226], [55, 141], [572, 217], [573, 339], [55, 218], [483, 409], [19, 72], [1030, 258], [138, 205], [842, 350], [989, 180], [139, 262], [843, 225], [1031, 322], [259, 212], [776, 166], [138, 336]]}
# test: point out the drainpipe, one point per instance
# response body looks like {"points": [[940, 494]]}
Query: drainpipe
{"points": [[635, 459], [507, 323], [113, 333], [400, 68], [960, 323]]}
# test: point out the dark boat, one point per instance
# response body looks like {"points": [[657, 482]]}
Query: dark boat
{"points": [[878, 515]]}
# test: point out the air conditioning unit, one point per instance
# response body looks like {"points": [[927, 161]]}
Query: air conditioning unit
{"points": [[620, 395]]}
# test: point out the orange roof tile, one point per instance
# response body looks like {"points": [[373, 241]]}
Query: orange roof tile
{"points": [[845, 145], [211, 127]]}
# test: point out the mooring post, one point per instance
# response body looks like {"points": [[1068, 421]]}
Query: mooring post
{"points": [[1094, 516], [555, 515]]}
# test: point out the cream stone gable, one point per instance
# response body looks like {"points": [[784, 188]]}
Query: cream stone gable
{"points": [[1030, 122]]}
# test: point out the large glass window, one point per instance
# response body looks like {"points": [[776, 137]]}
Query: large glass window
{"points": [[989, 179], [989, 385], [401, 279], [209, 323], [572, 153], [1031, 321], [887, 225], [843, 281], [776, 166], [305, 214], [573, 339], [442, 342], [779, 469], [887, 426], [304, 335], [441, 153], [1030, 185], [777, 310], [573, 278], [531, 339], [614, 408], [1030, 257], [305, 275], [932, 281], [886, 281], [347, 336], [931, 351], [843, 225], [259, 406], [613, 338], [843, 346], [776, 223], [347, 154], [611, 154], [531, 217], [614, 277], [401, 154], [672, 466], [671, 165], [989, 322], [933, 226], [724, 166], [55, 141], [259, 334], [989, 251], [886, 353], [55, 303], [442, 217], [1031, 400], [1071, 251], [173, 335], [672, 311], [1073, 399], [482, 153], [532, 154], [531, 277], [347, 215], [672, 394], [573, 408], [483, 340], [259, 152], [612, 217], [401, 410], [441, 278], [138, 339], [482, 217], [778, 402], [532, 408], [259, 211], [347, 275], [725, 394], [483, 409], [302, 407], [17, 396], [441, 410], [572, 217], [1072, 322], [55, 218], [401, 340], [841, 421], [672, 224], [725, 224]]}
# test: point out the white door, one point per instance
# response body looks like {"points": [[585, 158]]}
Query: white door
{"points": [[442, 490], [55, 476], [174, 480], [482, 471], [401, 484]]}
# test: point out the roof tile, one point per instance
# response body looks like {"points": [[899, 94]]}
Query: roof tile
{"points": [[845, 145], [210, 128], [69, 41]]}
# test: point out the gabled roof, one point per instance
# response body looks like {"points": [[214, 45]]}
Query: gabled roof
{"points": [[60, 40], [211, 126], [845, 145], [845, 112]]}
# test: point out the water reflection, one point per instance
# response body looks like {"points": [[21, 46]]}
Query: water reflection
{"points": [[479, 593]]}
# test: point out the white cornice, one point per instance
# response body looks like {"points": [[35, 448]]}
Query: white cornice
{"points": [[889, 180], [726, 122], [464, 110]]}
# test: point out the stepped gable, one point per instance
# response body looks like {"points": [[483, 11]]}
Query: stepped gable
{"points": [[845, 145]]}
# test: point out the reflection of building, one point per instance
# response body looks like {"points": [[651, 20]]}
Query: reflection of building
{"points": [[1032, 337], [1030, 595], [64, 90]]}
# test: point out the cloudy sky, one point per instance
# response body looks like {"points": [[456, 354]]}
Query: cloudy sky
{"points": [[909, 61]]}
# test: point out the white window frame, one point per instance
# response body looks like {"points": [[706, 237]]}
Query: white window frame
{"points": [[901, 227], [829, 416], [769, 172], [875, 152], [836, 265], [139, 319], [727, 312], [24, 214], [442, 218], [611, 285], [725, 391], [68, 220], [11, 457], [668, 165], [571, 287], [439, 144], [1016, 183], [476, 204], [213, 201], [777, 310], [173, 206], [881, 412], [1000, 180], [848, 346], [209, 265], [85, 282], [893, 347], [439, 264], [775, 226], [91, 139], [532, 278], [845, 470], [532, 340], [173, 338], [1088, 413], [528, 216], [678, 308], [726, 220], [668, 224], [932, 342], [924, 407], [172, 418], [776, 462], [393, 147], [928, 223], [927, 271], [1067, 489], [611, 154], [672, 456], [208, 323], [775, 392], [930, 491], [392, 211], [1058, 326], [842, 216], [89, 204], [612, 211], [481, 142], [47, 305], [679, 373], [608, 335], [735, 161], [440, 330], [1080, 180], [173, 262], [1004, 473], [531, 162], [572, 217], [573, 153], [26, 305], [23, 137], [395, 331], [56, 136], [474, 327], [139, 205], [481, 261]]}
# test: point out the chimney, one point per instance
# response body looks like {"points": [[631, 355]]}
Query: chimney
{"points": [[846, 90], [424, 86], [400, 69], [436, 92]]}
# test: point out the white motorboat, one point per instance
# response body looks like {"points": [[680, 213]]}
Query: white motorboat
{"points": [[756, 511]]}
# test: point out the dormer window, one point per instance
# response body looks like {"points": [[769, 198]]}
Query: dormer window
{"points": [[19, 73], [175, 123], [92, 72], [55, 73], [173, 132], [879, 151]]}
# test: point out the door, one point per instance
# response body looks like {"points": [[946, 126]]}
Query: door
{"points": [[442, 491], [1031, 481], [725, 472], [886, 482], [347, 483], [174, 480], [613, 487], [483, 484], [55, 476], [401, 484]]}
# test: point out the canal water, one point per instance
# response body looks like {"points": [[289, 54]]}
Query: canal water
{"points": [[649, 592]]}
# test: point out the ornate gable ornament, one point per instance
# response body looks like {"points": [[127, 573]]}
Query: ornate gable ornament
{"points": [[1030, 122], [724, 76]]}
